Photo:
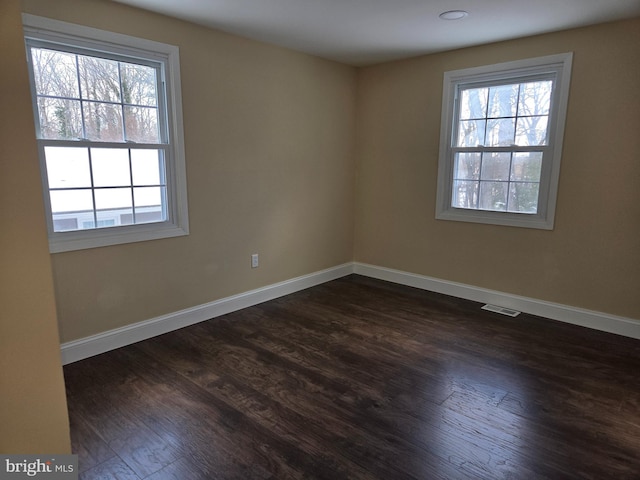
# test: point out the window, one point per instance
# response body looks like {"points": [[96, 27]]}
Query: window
{"points": [[109, 131], [501, 142]]}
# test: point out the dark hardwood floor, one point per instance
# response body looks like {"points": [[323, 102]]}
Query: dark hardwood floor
{"points": [[361, 379]]}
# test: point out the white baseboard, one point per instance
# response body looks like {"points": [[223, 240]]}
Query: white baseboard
{"points": [[119, 337], [605, 322]]}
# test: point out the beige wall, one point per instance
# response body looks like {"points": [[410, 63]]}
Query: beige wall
{"points": [[592, 257], [269, 140], [33, 409]]}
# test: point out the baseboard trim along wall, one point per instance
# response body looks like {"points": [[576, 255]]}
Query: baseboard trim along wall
{"points": [[119, 337], [586, 318]]}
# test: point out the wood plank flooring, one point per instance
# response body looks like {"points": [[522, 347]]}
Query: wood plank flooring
{"points": [[361, 379]]}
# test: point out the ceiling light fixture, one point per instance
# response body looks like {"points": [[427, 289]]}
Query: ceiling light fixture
{"points": [[453, 15]]}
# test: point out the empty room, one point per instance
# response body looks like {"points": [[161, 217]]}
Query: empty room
{"points": [[298, 239]]}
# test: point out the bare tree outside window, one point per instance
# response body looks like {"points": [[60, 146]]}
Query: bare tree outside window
{"points": [[491, 118], [81, 96], [101, 101]]}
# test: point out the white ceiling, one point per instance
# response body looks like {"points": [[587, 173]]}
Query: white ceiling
{"points": [[364, 32]]}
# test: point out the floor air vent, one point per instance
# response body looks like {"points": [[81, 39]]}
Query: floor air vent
{"points": [[502, 310]]}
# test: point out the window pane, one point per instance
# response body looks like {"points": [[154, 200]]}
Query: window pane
{"points": [[71, 201], [500, 132], [110, 167], [113, 198], [532, 131], [147, 167], [147, 196], [138, 84], [125, 217], [503, 101], [526, 166], [141, 124], [465, 194], [99, 79], [471, 133], [67, 167], [467, 166], [113, 217], [495, 166], [59, 119], [101, 223], [523, 197], [150, 215], [103, 121], [493, 196], [473, 103], [535, 98], [55, 73], [64, 223]]}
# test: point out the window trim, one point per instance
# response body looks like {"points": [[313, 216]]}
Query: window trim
{"points": [[48, 30], [560, 65]]}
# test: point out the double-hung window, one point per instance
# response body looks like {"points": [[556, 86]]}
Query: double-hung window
{"points": [[501, 141], [109, 132]]}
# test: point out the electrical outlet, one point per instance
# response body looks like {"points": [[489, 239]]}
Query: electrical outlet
{"points": [[254, 261]]}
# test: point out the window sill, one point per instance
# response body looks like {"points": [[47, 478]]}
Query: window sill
{"points": [[496, 218], [104, 237]]}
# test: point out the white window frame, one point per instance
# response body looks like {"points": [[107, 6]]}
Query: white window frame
{"points": [[558, 65], [177, 223]]}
